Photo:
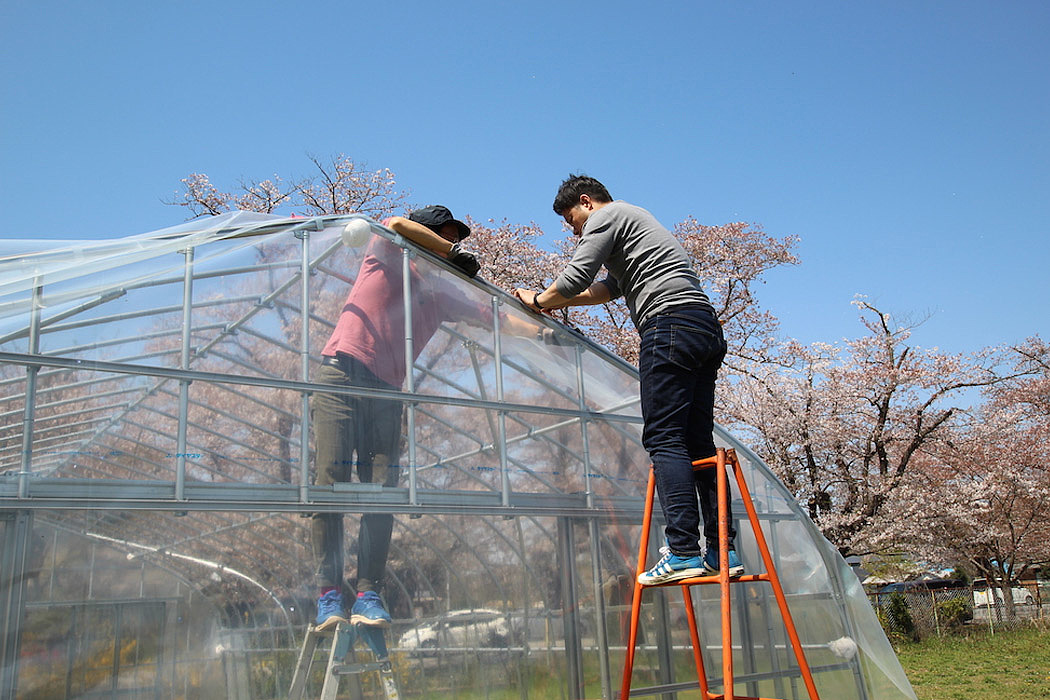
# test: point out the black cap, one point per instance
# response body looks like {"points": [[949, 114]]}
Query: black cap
{"points": [[435, 216]]}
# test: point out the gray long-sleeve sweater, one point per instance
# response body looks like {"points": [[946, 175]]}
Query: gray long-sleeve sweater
{"points": [[647, 265]]}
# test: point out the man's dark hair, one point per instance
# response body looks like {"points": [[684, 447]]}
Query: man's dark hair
{"points": [[575, 185]]}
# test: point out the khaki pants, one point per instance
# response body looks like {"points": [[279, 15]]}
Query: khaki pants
{"points": [[351, 431]]}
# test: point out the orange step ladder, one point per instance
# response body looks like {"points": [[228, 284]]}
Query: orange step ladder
{"points": [[719, 461]]}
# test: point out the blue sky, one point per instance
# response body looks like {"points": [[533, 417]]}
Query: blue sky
{"points": [[906, 143]]}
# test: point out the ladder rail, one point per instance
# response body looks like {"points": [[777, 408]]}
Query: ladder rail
{"points": [[330, 688], [303, 664], [636, 599], [774, 579], [723, 571], [694, 635]]}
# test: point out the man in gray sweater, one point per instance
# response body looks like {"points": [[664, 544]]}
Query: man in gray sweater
{"points": [[681, 349]]}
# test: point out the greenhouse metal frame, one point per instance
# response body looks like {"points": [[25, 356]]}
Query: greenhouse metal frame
{"points": [[155, 480]]}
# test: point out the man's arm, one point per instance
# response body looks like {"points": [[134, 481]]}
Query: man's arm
{"points": [[551, 298], [424, 237], [419, 234]]}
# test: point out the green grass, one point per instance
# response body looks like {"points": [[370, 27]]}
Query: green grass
{"points": [[1013, 664]]}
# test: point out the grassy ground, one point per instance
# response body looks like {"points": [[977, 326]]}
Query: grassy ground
{"points": [[1014, 664]]}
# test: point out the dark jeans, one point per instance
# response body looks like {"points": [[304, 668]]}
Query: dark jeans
{"points": [[343, 426], [680, 354]]}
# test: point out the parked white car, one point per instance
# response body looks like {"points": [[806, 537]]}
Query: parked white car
{"points": [[480, 627], [982, 594]]}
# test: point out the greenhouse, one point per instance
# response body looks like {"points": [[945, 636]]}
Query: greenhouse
{"points": [[157, 493]]}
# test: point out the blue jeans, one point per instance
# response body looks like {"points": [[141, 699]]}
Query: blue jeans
{"points": [[681, 351]]}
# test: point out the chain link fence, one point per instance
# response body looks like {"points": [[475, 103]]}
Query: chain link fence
{"points": [[918, 613]]}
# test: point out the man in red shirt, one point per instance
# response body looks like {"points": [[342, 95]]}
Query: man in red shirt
{"points": [[367, 349]]}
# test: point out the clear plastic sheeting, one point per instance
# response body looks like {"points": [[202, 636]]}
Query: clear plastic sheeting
{"points": [[157, 485]]}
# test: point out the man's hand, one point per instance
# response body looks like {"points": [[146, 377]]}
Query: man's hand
{"points": [[528, 298], [463, 260]]}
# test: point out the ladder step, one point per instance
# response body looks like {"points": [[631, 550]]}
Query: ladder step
{"points": [[323, 633], [683, 687], [351, 669], [703, 580]]}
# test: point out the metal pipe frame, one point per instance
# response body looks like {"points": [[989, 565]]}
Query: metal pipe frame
{"points": [[145, 394], [570, 608], [304, 367], [14, 551], [69, 363], [184, 386], [30, 403], [215, 505], [410, 381]]}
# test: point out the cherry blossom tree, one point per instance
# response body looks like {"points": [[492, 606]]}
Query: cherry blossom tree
{"points": [[849, 428], [870, 435], [1028, 388], [510, 254], [338, 186], [985, 500], [731, 258], [990, 508]]}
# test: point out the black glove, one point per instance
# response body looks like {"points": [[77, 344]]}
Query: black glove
{"points": [[463, 260], [549, 337]]}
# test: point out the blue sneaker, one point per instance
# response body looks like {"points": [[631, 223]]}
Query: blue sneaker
{"points": [[369, 610], [330, 610], [736, 567], [671, 568]]}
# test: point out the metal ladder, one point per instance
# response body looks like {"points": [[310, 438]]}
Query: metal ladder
{"points": [[719, 462], [344, 635]]}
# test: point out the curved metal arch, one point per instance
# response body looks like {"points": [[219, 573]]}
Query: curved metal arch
{"points": [[200, 427], [206, 539], [175, 573], [200, 539], [216, 566], [228, 329], [237, 420]]}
